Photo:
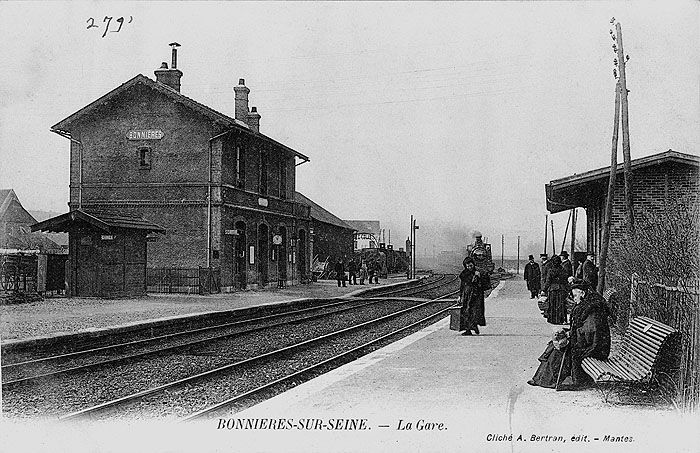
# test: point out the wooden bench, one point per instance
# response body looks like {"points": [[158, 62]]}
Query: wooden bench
{"points": [[639, 360]]}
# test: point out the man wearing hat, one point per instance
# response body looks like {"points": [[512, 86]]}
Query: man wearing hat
{"points": [[588, 271], [532, 277], [566, 264], [589, 334]]}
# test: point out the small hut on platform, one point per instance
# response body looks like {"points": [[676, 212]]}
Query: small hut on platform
{"points": [[107, 252]]}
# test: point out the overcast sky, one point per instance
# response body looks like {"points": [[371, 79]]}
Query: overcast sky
{"points": [[458, 113]]}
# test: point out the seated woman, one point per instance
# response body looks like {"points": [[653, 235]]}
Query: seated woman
{"points": [[590, 331], [555, 361]]}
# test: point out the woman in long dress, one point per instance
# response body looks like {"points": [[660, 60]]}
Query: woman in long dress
{"points": [[472, 298], [555, 361], [557, 289]]}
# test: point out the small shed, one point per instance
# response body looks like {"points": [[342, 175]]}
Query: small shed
{"points": [[107, 252]]}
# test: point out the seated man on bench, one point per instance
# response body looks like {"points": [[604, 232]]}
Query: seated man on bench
{"points": [[589, 334]]}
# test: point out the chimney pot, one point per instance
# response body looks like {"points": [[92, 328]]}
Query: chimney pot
{"points": [[170, 77], [253, 119], [241, 95]]}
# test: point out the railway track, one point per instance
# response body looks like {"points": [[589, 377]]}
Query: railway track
{"points": [[231, 385], [42, 368], [29, 389]]}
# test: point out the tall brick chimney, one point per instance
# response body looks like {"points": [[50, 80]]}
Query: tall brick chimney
{"points": [[170, 77], [254, 119], [241, 101]]}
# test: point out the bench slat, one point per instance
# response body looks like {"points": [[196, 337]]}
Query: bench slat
{"points": [[637, 356]]}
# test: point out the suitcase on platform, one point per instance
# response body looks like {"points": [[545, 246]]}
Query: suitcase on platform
{"points": [[456, 321]]}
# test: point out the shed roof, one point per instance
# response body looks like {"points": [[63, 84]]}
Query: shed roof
{"points": [[103, 220], [575, 190], [365, 226], [321, 214], [64, 126]]}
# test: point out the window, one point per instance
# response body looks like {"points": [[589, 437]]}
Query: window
{"points": [[145, 157], [239, 163], [283, 178], [262, 188]]}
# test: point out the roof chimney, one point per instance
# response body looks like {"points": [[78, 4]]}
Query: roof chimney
{"points": [[170, 77], [254, 119], [241, 101]]}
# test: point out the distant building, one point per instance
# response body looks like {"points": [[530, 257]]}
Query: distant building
{"points": [[221, 189], [332, 237], [15, 228], [367, 233], [658, 179]]}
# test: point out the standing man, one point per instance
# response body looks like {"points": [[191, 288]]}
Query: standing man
{"points": [[545, 268], [588, 272], [566, 264], [340, 272], [352, 272], [532, 277]]}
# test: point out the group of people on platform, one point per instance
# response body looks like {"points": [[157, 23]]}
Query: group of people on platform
{"points": [[583, 333], [365, 270]]}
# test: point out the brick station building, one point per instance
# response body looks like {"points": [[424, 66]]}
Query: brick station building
{"points": [[222, 190], [658, 179]]}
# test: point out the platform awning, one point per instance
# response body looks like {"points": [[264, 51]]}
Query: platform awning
{"points": [[589, 188], [103, 220]]}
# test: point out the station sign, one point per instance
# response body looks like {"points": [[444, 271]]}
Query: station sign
{"points": [[145, 134], [107, 237]]}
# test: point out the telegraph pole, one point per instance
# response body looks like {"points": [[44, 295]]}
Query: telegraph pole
{"points": [[502, 243], [605, 240], [517, 268], [621, 58]]}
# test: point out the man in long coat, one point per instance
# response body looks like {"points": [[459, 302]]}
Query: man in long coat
{"points": [[472, 297], [566, 263], [533, 277], [588, 272]]}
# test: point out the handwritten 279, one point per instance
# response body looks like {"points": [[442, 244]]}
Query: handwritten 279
{"points": [[107, 21]]}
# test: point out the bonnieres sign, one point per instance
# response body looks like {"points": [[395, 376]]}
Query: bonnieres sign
{"points": [[147, 134]]}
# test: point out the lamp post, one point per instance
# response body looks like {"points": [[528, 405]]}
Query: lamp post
{"points": [[414, 227]]}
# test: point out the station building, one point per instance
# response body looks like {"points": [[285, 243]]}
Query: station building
{"points": [[332, 237], [658, 179], [223, 191]]}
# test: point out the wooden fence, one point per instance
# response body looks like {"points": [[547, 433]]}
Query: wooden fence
{"points": [[201, 280], [679, 307]]}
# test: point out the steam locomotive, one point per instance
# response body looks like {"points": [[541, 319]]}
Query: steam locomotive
{"points": [[480, 252]]}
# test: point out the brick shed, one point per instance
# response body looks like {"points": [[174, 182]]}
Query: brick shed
{"points": [[658, 179], [107, 252]]}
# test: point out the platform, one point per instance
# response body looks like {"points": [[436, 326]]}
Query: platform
{"points": [[437, 391], [434, 391]]}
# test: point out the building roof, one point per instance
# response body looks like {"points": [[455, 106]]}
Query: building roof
{"points": [[103, 220], [572, 191], [11, 209], [319, 213], [364, 226], [64, 126], [18, 237]]}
